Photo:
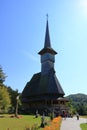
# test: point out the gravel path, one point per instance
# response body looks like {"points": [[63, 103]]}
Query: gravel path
{"points": [[72, 123]]}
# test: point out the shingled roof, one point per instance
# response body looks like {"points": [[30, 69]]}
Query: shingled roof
{"points": [[43, 85]]}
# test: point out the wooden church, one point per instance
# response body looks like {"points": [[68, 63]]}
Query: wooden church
{"points": [[44, 92]]}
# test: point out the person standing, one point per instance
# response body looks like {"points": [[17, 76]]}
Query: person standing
{"points": [[77, 116]]}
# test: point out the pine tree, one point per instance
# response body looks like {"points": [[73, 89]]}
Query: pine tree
{"points": [[2, 76]]}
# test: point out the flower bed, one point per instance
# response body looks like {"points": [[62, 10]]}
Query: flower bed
{"points": [[55, 124]]}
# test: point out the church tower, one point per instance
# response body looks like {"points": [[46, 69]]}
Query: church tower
{"points": [[43, 91], [47, 54]]}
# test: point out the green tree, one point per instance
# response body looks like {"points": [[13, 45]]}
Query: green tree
{"points": [[4, 95], [81, 108], [4, 99], [13, 95], [2, 76], [72, 109]]}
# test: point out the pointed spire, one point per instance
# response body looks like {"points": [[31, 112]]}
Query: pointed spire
{"points": [[47, 43]]}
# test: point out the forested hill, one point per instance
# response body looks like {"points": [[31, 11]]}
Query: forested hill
{"points": [[78, 98], [79, 102]]}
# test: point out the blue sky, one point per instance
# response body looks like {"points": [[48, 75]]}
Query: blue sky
{"points": [[22, 33]]}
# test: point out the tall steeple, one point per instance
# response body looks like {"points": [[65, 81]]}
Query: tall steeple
{"points": [[47, 53], [47, 43]]}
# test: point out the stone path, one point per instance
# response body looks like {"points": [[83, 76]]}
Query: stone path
{"points": [[72, 123]]}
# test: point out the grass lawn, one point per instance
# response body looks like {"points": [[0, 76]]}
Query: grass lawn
{"points": [[83, 126], [83, 116], [19, 123]]}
